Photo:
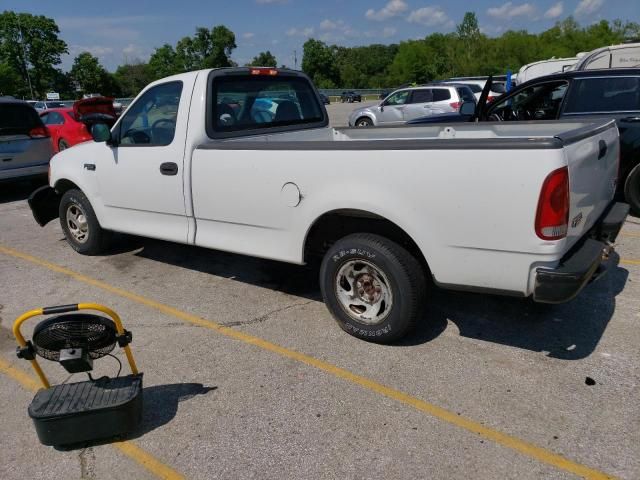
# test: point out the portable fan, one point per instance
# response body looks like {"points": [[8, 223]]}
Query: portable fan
{"points": [[98, 409]]}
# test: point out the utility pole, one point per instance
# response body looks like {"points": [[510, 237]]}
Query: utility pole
{"points": [[24, 56], [295, 59]]}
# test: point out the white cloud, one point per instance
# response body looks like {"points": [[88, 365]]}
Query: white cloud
{"points": [[271, 2], [99, 51], [388, 32], [430, 17], [587, 7], [328, 25], [392, 9], [509, 10], [555, 11], [300, 32], [248, 35]]}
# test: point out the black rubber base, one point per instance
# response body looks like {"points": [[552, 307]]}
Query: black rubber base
{"points": [[87, 411]]}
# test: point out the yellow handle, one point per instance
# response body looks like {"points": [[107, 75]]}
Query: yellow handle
{"points": [[81, 306]]}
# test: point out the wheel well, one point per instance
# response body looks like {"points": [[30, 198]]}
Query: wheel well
{"points": [[363, 116], [63, 185], [333, 226]]}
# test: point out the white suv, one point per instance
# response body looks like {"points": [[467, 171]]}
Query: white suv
{"points": [[410, 103]]}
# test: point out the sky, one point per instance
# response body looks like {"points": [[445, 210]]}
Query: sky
{"points": [[119, 31]]}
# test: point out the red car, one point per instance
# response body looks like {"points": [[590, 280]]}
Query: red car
{"points": [[72, 125]]}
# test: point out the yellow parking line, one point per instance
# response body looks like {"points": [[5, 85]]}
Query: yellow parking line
{"points": [[630, 262], [503, 439], [625, 234], [145, 459]]}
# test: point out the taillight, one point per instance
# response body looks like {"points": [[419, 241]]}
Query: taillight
{"points": [[456, 105], [39, 132], [490, 99], [552, 218]]}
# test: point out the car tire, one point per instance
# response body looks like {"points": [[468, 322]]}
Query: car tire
{"points": [[80, 224], [632, 190], [62, 145], [363, 122], [373, 287]]}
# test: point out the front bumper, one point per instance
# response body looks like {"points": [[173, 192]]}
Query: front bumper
{"points": [[584, 263]]}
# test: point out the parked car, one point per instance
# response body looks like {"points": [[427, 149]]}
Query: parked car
{"points": [[42, 106], [413, 102], [325, 99], [350, 97], [490, 208], [580, 96], [70, 126], [498, 86], [25, 146]]}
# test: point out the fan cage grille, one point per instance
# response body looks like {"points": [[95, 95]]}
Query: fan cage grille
{"points": [[95, 334]]}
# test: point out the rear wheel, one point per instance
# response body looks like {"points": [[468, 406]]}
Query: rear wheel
{"points": [[62, 145], [80, 224], [632, 190], [364, 122], [373, 287]]}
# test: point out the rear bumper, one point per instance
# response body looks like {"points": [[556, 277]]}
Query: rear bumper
{"points": [[584, 263]]}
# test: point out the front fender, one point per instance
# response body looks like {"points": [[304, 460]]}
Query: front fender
{"points": [[44, 204]]}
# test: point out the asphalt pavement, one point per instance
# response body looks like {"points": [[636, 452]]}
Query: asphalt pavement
{"points": [[247, 376]]}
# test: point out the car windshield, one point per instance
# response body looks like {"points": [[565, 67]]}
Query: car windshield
{"points": [[55, 105], [18, 119]]}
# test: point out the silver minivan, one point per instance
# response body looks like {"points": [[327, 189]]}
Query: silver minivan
{"points": [[25, 144], [408, 104]]}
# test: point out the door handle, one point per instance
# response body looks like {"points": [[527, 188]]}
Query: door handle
{"points": [[169, 168], [603, 149]]}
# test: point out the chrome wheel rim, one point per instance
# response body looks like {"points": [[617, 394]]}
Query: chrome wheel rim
{"points": [[77, 223], [362, 123], [364, 292]]}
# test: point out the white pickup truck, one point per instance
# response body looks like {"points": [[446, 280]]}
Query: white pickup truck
{"points": [[243, 160]]}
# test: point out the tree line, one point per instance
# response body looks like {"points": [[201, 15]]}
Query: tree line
{"points": [[31, 51]]}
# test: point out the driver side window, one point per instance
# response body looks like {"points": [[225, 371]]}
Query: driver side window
{"points": [[398, 98], [151, 120], [537, 102]]}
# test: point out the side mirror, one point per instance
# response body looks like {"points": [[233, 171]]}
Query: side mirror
{"points": [[382, 107], [499, 88], [100, 132], [468, 108]]}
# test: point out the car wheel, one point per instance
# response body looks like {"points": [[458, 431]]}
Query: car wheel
{"points": [[632, 190], [62, 145], [364, 122], [373, 287], [80, 224]]}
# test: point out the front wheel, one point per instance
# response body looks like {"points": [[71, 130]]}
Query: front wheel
{"points": [[364, 122], [373, 287], [632, 190], [80, 224]]}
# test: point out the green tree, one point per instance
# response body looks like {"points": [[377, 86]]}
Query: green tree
{"points": [[318, 61], [264, 59], [132, 78], [29, 45], [90, 76], [164, 62]]}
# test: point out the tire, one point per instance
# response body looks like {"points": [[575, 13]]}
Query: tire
{"points": [[62, 145], [373, 287], [364, 122], [632, 190], [80, 224]]}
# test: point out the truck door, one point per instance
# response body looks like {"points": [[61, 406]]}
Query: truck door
{"points": [[141, 178]]}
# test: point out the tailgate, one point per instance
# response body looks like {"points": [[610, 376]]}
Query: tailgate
{"points": [[593, 171]]}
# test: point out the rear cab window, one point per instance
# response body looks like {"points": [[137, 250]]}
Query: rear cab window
{"points": [[18, 119], [603, 94], [242, 103]]}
